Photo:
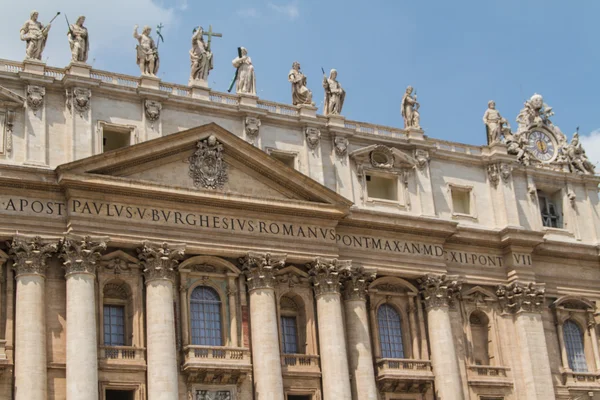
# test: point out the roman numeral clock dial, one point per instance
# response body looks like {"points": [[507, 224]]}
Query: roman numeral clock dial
{"points": [[541, 146]]}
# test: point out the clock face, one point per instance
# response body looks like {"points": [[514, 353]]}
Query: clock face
{"points": [[541, 145]]}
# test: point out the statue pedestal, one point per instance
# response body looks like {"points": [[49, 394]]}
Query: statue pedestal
{"points": [[150, 82], [497, 148], [34, 67], [336, 120], [248, 100], [307, 111], [200, 89], [79, 69], [415, 133]]}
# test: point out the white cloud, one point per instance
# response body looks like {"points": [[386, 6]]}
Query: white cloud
{"points": [[109, 22], [290, 10], [591, 144], [249, 13]]}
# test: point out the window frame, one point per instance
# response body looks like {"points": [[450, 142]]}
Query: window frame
{"points": [[114, 305], [222, 315], [575, 358], [402, 334], [130, 130], [472, 214], [283, 316], [549, 200], [273, 152]]}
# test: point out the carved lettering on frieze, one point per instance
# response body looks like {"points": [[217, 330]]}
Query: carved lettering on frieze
{"points": [[260, 268], [439, 290], [160, 260], [325, 274], [80, 254], [519, 297], [30, 254], [207, 168]]}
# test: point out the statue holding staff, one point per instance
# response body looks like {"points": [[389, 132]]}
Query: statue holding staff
{"points": [[35, 35], [410, 109], [334, 94], [244, 76], [147, 52], [78, 40]]}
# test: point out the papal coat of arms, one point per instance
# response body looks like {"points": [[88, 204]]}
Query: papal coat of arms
{"points": [[207, 168]]}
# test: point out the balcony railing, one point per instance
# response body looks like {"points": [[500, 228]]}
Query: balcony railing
{"points": [[204, 363], [401, 374], [122, 357], [300, 364], [581, 379], [487, 374]]}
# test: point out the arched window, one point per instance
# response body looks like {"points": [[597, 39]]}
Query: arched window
{"points": [[205, 311], [479, 324], [574, 346], [390, 332]]}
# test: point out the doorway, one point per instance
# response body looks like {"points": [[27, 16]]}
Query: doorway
{"points": [[120, 394]]}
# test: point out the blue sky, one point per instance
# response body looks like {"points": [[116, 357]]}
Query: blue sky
{"points": [[457, 54]]}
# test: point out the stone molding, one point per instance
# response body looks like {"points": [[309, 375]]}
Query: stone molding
{"points": [[81, 254], [160, 260], [519, 297], [29, 254], [439, 290], [356, 281], [325, 274], [260, 269]]}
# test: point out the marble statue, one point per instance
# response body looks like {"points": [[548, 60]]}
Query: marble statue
{"points": [[535, 112], [200, 56], [147, 52], [79, 41], [495, 125], [334, 95], [300, 93], [35, 35], [246, 80], [516, 145], [410, 109], [577, 158]]}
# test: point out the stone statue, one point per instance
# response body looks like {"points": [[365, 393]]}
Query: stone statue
{"points": [[577, 158], [246, 80], [410, 109], [147, 52], [334, 95], [516, 144], [200, 56], [300, 93], [535, 112], [495, 125], [79, 41], [35, 35]]}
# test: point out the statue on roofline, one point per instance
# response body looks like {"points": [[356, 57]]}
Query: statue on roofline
{"points": [[301, 95], [200, 56], [35, 35], [147, 52], [334, 94], [495, 125], [410, 109], [244, 76], [79, 41]]}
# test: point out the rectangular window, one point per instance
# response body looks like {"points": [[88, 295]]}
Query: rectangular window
{"points": [[114, 325], [461, 201], [380, 187], [286, 158], [289, 335], [112, 140], [550, 210]]}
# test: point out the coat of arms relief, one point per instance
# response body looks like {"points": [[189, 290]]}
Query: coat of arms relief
{"points": [[207, 168]]}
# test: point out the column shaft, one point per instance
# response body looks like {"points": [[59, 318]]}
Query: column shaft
{"points": [[231, 292], [360, 355], [413, 327], [594, 339], [31, 380], [82, 349]]}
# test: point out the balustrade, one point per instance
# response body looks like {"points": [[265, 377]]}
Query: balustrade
{"points": [[300, 364], [484, 374]]}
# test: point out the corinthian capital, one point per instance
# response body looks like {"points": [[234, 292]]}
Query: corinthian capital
{"points": [[325, 274], [260, 269], [519, 297], [30, 253], [356, 281], [80, 254], [439, 290], [160, 260]]}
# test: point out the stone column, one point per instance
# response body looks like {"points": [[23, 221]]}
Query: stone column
{"points": [[437, 291], [325, 276], [160, 261], [594, 339], [563, 349], [526, 303], [29, 261], [80, 256], [360, 354], [259, 270]]}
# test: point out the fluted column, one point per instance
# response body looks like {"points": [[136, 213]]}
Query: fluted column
{"points": [[360, 354], [160, 262], [438, 291], [325, 276], [259, 270], [29, 261], [80, 256], [526, 302]]}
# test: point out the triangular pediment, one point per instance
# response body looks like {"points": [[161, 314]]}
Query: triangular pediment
{"points": [[8, 98], [169, 167]]}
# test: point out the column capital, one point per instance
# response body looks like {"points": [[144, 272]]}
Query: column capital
{"points": [[160, 260], [439, 290], [356, 281], [260, 269], [325, 274], [29, 254], [521, 297], [80, 254]]}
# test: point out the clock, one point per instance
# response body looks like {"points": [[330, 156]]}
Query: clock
{"points": [[541, 145]]}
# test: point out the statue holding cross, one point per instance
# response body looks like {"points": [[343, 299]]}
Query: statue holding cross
{"points": [[201, 55]]}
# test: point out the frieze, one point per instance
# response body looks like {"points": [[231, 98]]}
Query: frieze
{"points": [[80, 254], [260, 269], [160, 260], [29, 254]]}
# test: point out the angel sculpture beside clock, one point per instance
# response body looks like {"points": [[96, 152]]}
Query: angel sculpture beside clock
{"points": [[537, 139]]}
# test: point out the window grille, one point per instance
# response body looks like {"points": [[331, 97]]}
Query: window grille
{"points": [[114, 325], [289, 335], [205, 312], [549, 211], [390, 332], [574, 345]]}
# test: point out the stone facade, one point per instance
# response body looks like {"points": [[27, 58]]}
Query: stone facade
{"points": [[409, 267]]}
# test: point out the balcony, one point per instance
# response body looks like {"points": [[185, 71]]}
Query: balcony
{"points": [[122, 358], [486, 375], [404, 375], [300, 365], [581, 380], [4, 362], [216, 364]]}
